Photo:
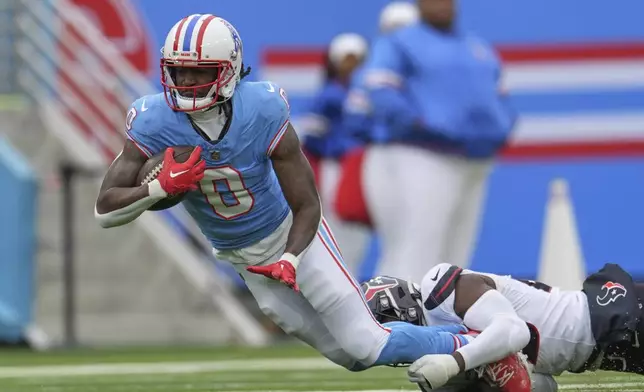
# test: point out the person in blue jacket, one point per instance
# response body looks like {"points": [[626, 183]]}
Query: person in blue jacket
{"points": [[326, 142], [350, 204], [433, 89]]}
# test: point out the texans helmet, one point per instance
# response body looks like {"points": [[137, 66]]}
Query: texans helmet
{"points": [[392, 299]]}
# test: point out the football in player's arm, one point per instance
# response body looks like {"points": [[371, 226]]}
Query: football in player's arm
{"points": [[120, 200]]}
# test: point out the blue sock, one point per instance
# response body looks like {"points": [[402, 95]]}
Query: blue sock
{"points": [[408, 342]]}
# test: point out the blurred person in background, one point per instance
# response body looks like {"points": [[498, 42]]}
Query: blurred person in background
{"points": [[434, 91], [326, 142], [349, 203]]}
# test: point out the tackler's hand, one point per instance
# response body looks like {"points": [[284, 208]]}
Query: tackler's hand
{"points": [[282, 271], [181, 177]]}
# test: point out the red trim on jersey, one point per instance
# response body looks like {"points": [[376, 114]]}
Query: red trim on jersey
{"points": [[275, 141], [146, 151]]}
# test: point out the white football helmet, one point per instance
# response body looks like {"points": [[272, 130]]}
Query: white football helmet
{"points": [[201, 41]]}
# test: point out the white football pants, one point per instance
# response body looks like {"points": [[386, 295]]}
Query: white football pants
{"points": [[330, 313]]}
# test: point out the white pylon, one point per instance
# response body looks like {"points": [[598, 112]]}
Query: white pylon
{"points": [[561, 261]]}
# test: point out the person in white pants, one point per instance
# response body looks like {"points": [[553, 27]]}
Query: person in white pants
{"points": [[327, 140], [326, 143], [434, 90]]}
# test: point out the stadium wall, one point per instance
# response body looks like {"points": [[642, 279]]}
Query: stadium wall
{"points": [[18, 241]]}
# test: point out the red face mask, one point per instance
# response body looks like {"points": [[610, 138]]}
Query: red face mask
{"points": [[190, 86]]}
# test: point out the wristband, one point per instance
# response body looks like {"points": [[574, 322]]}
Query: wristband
{"points": [[291, 258]]}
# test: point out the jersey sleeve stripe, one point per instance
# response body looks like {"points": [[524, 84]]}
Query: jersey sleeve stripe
{"points": [[146, 151], [277, 138], [444, 288]]}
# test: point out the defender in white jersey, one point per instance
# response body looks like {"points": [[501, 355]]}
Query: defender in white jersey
{"points": [[575, 331]]}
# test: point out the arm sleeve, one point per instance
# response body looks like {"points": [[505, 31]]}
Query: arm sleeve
{"points": [[315, 121], [384, 80], [502, 331]]}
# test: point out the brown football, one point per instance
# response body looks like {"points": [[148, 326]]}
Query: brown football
{"points": [[151, 169]]}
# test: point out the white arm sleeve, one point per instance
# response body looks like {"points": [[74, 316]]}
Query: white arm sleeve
{"points": [[502, 331], [128, 213]]}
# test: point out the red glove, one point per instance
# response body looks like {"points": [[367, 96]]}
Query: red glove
{"points": [[181, 177], [282, 271]]}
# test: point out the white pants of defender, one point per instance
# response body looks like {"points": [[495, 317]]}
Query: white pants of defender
{"points": [[352, 238], [426, 207], [329, 313]]}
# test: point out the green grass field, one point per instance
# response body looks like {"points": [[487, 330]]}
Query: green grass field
{"points": [[287, 368]]}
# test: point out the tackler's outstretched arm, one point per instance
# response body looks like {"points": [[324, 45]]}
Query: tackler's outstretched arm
{"points": [[485, 309]]}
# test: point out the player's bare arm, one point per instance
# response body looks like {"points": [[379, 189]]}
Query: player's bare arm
{"points": [[118, 189], [119, 192], [298, 184], [483, 308]]}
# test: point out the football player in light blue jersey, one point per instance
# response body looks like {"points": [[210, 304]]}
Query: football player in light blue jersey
{"points": [[251, 190]]}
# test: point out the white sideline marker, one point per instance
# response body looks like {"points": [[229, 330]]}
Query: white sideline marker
{"points": [[561, 262]]}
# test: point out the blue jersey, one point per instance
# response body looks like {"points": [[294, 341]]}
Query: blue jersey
{"points": [[239, 201], [334, 141]]}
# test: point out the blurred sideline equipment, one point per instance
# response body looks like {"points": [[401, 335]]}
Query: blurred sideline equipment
{"points": [[18, 243], [561, 263]]}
